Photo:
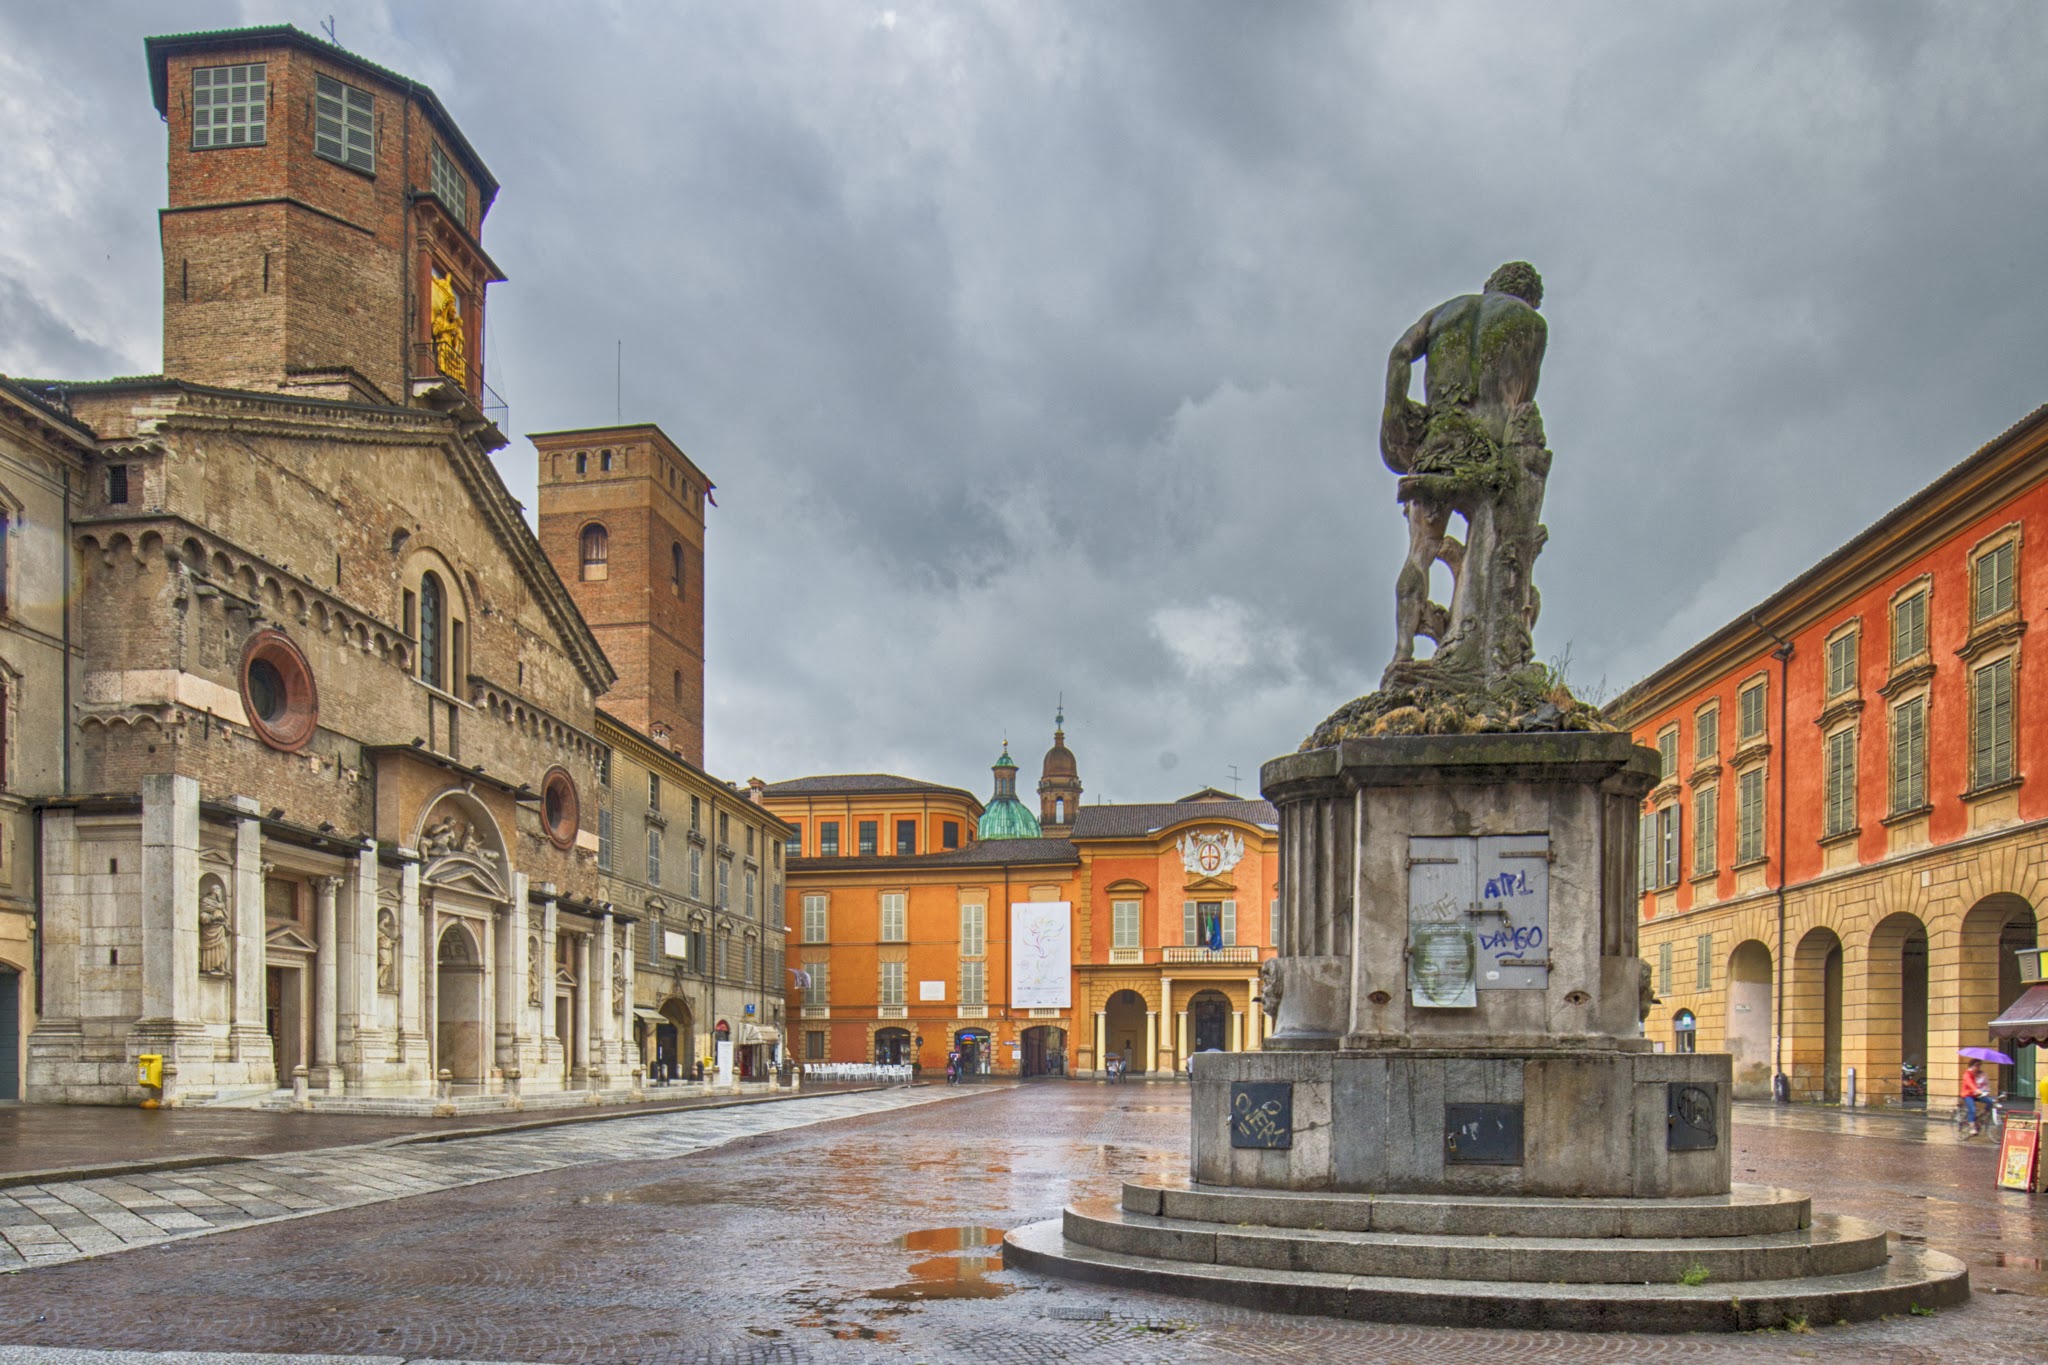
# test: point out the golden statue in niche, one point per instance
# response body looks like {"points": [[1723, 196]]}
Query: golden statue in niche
{"points": [[451, 348]]}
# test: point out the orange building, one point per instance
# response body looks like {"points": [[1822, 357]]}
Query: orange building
{"points": [[913, 944], [1846, 849]]}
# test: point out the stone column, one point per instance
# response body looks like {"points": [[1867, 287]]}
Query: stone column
{"points": [[54, 1046], [326, 1068], [1180, 1029], [547, 967], [412, 1029], [605, 1036], [1101, 1040], [170, 908], [365, 1035], [248, 1036], [1237, 1030], [512, 1009], [634, 1060], [1151, 1040], [582, 1024]]}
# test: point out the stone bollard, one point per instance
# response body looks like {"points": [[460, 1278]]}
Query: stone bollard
{"points": [[444, 1106], [512, 1097], [300, 1081]]}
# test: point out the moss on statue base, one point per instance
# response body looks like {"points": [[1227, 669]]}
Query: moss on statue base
{"points": [[1411, 701]]}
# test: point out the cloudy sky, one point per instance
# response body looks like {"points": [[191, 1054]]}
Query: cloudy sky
{"points": [[1036, 348]]}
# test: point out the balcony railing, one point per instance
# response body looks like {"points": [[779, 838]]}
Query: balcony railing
{"points": [[1126, 956], [1245, 955]]}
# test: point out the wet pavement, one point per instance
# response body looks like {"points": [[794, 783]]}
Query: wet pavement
{"points": [[876, 1236]]}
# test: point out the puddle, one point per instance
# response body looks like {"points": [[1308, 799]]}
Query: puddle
{"points": [[2012, 1260], [969, 1238], [949, 1277]]}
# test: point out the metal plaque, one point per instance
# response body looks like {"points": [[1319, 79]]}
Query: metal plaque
{"points": [[1483, 1134], [1262, 1114], [1692, 1116], [1443, 956], [1478, 917], [1513, 875]]}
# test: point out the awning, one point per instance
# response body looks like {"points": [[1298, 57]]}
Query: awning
{"points": [[758, 1033], [2027, 1020], [651, 1016]]}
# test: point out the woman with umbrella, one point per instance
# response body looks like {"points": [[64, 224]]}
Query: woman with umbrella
{"points": [[1974, 1086]]}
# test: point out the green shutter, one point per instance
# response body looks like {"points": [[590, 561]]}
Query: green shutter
{"points": [[1229, 923], [1187, 922]]}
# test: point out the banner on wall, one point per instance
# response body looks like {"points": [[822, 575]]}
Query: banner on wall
{"points": [[1041, 955]]}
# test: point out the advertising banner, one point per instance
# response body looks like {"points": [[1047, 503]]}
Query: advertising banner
{"points": [[1041, 955]]}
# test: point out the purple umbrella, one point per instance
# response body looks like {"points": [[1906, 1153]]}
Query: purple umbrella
{"points": [[1985, 1054]]}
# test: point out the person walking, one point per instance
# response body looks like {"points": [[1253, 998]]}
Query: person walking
{"points": [[1974, 1090]]}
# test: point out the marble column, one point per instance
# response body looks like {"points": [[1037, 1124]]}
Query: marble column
{"points": [[248, 1034], [326, 970], [412, 1029], [511, 1008], [1180, 1029], [1101, 1040], [582, 1024], [606, 1035], [633, 1059], [1237, 1030], [548, 930], [365, 1035], [1151, 1040], [170, 912]]}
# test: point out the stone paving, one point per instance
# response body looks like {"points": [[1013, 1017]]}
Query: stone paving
{"points": [[873, 1237]]}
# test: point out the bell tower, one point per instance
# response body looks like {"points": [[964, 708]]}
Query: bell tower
{"points": [[1059, 782]]}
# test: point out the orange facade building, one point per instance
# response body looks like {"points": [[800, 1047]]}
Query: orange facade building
{"points": [[1848, 846], [1158, 914]]}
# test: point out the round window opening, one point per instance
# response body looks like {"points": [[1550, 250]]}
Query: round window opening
{"points": [[278, 692], [558, 808]]}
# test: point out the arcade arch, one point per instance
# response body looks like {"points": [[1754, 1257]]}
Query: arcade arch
{"points": [[1748, 1029]]}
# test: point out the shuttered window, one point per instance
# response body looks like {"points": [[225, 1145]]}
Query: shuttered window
{"points": [[973, 935], [1664, 969], [1909, 628], [1667, 753], [1706, 735], [1706, 811], [1840, 815], [1991, 726], [1992, 582], [893, 930], [1667, 846], [1124, 924], [814, 919], [974, 983], [1749, 718], [604, 839], [1842, 664], [1909, 755], [1703, 966], [892, 983], [1749, 816], [819, 992]]}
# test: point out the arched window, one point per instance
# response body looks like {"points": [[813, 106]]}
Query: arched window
{"points": [[675, 568], [676, 685], [604, 459], [1059, 810], [582, 462], [1685, 1031], [433, 628], [597, 549]]}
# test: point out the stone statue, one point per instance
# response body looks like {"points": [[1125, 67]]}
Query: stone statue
{"points": [[533, 970], [213, 931], [441, 838], [1474, 447], [618, 975], [387, 952], [1269, 987]]}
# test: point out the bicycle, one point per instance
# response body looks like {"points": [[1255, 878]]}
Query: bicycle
{"points": [[1990, 1105]]}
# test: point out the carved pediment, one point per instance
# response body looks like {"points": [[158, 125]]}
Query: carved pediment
{"points": [[563, 977], [465, 872], [1211, 884], [283, 938]]}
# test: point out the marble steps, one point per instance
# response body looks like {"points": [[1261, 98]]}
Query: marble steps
{"points": [[1746, 1210], [1830, 1246], [1912, 1277]]}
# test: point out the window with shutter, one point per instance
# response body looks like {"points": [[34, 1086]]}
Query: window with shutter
{"points": [[1705, 810], [1909, 628], [1703, 966], [973, 933], [1840, 815], [1124, 927], [1749, 706], [1991, 730], [1664, 969], [1749, 816], [1842, 664], [1993, 585], [1706, 730], [1229, 923], [893, 928], [1909, 755]]}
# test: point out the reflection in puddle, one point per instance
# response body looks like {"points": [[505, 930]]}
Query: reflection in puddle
{"points": [[2012, 1260], [950, 1277], [968, 1238]]}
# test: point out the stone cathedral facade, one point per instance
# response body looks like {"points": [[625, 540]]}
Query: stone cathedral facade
{"points": [[332, 794]]}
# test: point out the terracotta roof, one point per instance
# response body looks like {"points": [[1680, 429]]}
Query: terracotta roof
{"points": [[983, 854], [1123, 822], [851, 784]]}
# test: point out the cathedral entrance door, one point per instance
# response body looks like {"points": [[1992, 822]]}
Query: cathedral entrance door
{"points": [[1210, 1018], [459, 1018], [284, 1020]]}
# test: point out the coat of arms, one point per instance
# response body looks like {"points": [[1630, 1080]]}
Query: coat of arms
{"points": [[1211, 854]]}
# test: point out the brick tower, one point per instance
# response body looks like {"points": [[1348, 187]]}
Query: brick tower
{"points": [[321, 232], [622, 517], [1059, 783]]}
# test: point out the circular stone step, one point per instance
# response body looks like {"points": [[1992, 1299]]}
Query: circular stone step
{"points": [[1914, 1277], [1832, 1246], [1746, 1210]]}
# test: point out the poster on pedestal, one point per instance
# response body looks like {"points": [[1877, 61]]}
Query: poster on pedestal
{"points": [[2019, 1152]]}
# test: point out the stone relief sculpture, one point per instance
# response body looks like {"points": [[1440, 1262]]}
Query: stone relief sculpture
{"points": [[213, 930], [533, 970], [1270, 975], [387, 952], [618, 974], [1474, 447], [438, 840]]}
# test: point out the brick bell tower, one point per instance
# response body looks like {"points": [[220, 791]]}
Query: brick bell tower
{"points": [[622, 518], [322, 231]]}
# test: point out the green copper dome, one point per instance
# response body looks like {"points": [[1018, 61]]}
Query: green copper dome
{"points": [[1005, 816]]}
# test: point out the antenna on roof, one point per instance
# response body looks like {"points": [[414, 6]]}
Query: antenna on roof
{"points": [[1233, 779], [329, 26]]}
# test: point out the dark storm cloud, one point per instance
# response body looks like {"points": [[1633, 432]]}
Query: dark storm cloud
{"points": [[1038, 348]]}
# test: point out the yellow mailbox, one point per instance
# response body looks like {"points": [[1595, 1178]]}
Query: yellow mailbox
{"points": [[149, 1070]]}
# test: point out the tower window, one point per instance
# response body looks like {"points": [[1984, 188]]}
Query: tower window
{"points": [[447, 182], [604, 459], [675, 569], [117, 483], [228, 105], [676, 685], [433, 607], [597, 549], [344, 124]]}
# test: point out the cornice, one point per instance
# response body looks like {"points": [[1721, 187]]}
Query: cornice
{"points": [[1906, 678], [1838, 710], [1987, 638]]}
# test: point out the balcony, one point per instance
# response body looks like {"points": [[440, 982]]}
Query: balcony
{"points": [[893, 1012], [1119, 957], [1245, 955]]}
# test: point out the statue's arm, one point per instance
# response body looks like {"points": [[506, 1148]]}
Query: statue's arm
{"points": [[1401, 418]]}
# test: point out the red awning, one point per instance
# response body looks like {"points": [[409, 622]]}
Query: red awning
{"points": [[2027, 1020]]}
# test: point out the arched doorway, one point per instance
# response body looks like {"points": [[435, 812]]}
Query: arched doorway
{"points": [[1124, 1030], [1813, 1017], [1209, 1021], [1994, 930], [975, 1058], [892, 1047], [1749, 1019], [1896, 987], [459, 1004], [1045, 1051], [675, 1041], [1685, 1032]]}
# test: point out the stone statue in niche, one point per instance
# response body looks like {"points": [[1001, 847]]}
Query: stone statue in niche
{"points": [[533, 970], [387, 952], [213, 930], [440, 839], [451, 345], [618, 974]]}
